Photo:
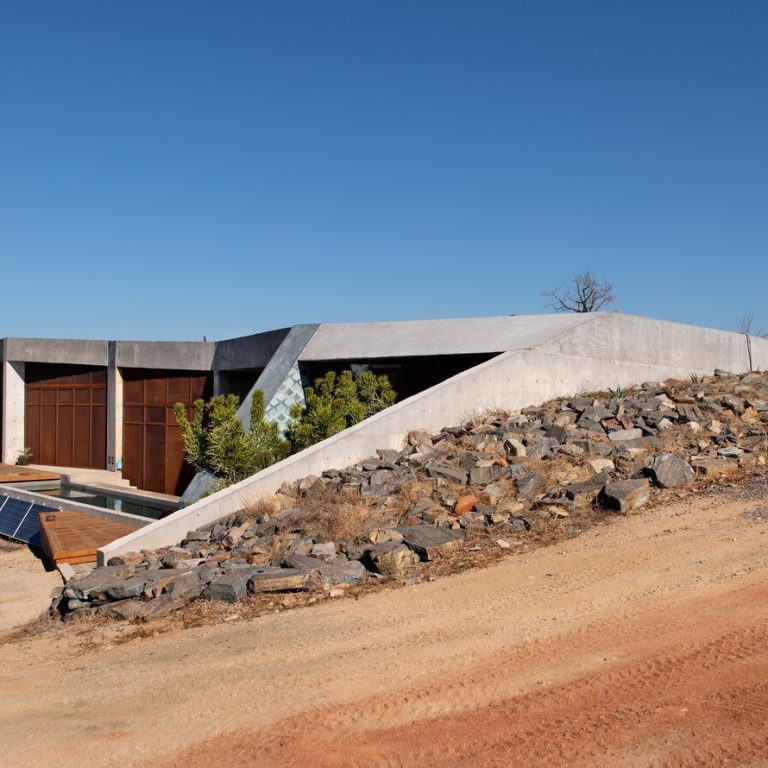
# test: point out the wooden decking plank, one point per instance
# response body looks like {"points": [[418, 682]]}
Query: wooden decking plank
{"points": [[11, 473], [75, 536]]}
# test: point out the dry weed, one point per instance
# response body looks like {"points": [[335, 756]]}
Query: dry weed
{"points": [[269, 505], [332, 517]]}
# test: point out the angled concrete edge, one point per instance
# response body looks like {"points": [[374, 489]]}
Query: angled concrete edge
{"points": [[509, 382], [272, 377]]}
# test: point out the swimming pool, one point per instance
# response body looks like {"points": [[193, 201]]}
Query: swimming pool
{"points": [[114, 502]]}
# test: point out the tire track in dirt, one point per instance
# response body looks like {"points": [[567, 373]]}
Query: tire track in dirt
{"points": [[596, 719], [459, 671]]}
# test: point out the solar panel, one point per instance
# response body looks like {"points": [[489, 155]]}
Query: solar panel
{"points": [[29, 530], [20, 520], [12, 514], [3, 499]]}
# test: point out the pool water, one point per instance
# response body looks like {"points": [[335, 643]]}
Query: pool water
{"points": [[116, 503]]}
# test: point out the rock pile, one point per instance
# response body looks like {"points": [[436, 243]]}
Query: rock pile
{"points": [[495, 478]]}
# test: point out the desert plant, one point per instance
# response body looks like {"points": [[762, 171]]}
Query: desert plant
{"points": [[336, 402], [216, 441], [24, 457]]}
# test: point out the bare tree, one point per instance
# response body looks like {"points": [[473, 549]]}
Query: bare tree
{"points": [[745, 323], [582, 292]]}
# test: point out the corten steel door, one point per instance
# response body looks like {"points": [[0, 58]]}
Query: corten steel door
{"points": [[65, 415], [153, 451]]}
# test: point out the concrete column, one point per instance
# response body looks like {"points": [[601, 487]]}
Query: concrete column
{"points": [[114, 412], [13, 411], [218, 382]]}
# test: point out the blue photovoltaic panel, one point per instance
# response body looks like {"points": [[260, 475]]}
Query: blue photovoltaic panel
{"points": [[12, 513], [20, 519], [29, 530], [3, 499]]}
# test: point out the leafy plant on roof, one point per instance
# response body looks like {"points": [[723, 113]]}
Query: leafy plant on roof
{"points": [[336, 402], [216, 441]]}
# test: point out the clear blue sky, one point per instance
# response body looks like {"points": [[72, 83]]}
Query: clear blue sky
{"points": [[180, 169]]}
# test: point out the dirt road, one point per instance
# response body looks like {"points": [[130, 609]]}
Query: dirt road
{"points": [[640, 643], [25, 586]]}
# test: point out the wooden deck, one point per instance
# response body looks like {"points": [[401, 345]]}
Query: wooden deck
{"points": [[74, 537], [11, 473]]}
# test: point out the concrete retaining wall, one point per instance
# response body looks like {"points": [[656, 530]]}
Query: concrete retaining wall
{"points": [[510, 381], [640, 339]]}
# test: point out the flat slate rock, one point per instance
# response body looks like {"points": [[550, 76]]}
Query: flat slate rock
{"points": [[270, 579], [530, 486], [98, 581], [338, 571], [620, 435], [670, 471], [428, 542], [448, 471], [231, 587], [626, 495]]}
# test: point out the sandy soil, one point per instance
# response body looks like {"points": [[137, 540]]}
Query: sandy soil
{"points": [[640, 643], [25, 586]]}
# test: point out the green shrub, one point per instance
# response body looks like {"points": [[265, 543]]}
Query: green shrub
{"points": [[335, 403], [215, 440]]}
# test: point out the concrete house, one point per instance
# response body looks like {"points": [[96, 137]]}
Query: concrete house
{"points": [[108, 405]]}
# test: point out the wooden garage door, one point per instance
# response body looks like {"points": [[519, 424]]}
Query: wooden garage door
{"points": [[153, 452], [65, 415]]}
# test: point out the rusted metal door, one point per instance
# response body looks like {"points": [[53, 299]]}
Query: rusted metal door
{"points": [[153, 451], [65, 415]]}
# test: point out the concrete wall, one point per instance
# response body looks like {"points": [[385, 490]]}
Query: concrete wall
{"points": [[510, 381], [69, 351], [253, 351], [349, 341], [12, 411], [171, 355], [637, 339]]}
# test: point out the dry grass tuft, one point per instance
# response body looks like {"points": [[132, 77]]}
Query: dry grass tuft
{"points": [[42, 624], [332, 517], [269, 505]]}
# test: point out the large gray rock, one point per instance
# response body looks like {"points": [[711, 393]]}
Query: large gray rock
{"points": [[267, 579], [429, 543], [447, 471], [231, 587], [128, 588], [670, 471], [340, 571], [485, 475], [530, 486], [96, 584], [173, 556], [587, 491], [391, 559], [626, 495]]}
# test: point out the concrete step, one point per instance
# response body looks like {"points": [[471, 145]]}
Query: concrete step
{"points": [[80, 476]]}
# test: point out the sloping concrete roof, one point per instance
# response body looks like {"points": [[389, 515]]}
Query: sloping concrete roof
{"points": [[455, 336]]}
